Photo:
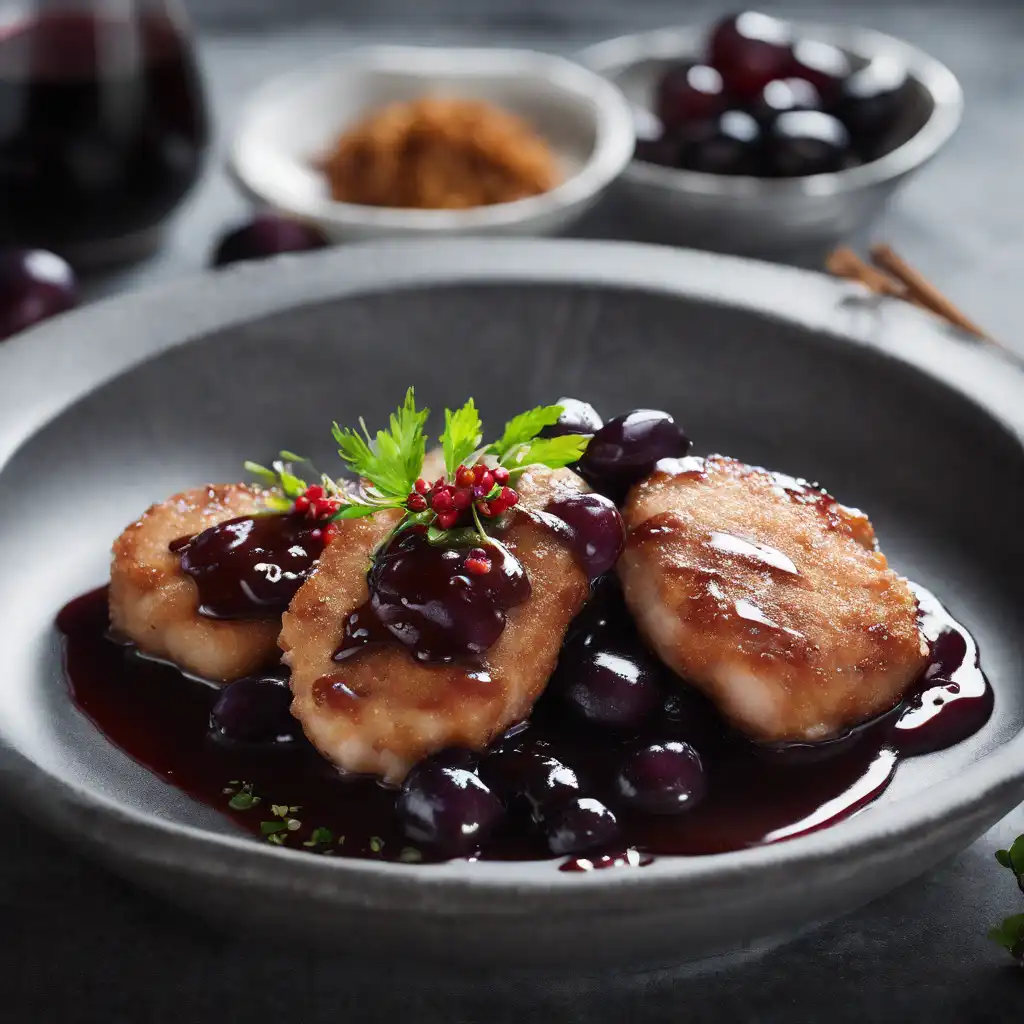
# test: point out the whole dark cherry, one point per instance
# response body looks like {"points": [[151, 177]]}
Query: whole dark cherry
{"points": [[34, 284], [618, 687], [663, 778], [825, 66], [577, 418], [690, 92], [627, 447], [804, 142], [782, 95], [530, 775], [447, 808], [579, 824], [597, 532], [255, 709], [729, 144], [749, 50], [870, 103], [266, 235]]}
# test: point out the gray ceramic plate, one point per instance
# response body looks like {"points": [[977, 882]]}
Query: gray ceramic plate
{"points": [[107, 409]]}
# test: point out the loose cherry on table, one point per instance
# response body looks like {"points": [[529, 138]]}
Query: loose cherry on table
{"points": [[34, 285], [266, 235]]}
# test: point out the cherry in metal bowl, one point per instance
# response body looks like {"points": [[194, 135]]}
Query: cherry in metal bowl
{"points": [[898, 114]]}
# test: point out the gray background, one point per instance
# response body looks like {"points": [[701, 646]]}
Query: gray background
{"points": [[80, 946]]}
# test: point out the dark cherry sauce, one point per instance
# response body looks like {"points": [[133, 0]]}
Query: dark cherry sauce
{"points": [[251, 567], [755, 795], [424, 597]]}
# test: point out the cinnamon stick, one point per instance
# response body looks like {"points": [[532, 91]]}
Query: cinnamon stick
{"points": [[844, 262], [919, 288]]}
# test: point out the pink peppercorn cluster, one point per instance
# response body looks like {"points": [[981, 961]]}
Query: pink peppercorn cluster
{"points": [[478, 486], [315, 505]]}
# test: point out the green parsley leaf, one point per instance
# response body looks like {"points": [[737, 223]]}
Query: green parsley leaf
{"points": [[261, 473], [319, 835], [1015, 856], [270, 827], [281, 810], [525, 427], [278, 838], [392, 460], [357, 511], [1010, 934], [554, 452], [463, 432], [376, 844], [292, 485], [278, 503], [243, 800]]}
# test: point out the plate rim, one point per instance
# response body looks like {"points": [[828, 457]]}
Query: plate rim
{"points": [[181, 312]]}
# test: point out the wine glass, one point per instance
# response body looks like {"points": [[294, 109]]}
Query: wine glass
{"points": [[103, 125]]}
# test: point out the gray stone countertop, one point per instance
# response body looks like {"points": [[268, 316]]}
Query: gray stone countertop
{"points": [[80, 946]]}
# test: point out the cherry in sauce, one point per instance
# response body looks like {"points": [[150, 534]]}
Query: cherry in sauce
{"points": [[564, 771]]}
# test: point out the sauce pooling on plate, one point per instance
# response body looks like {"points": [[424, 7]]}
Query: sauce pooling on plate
{"points": [[754, 794]]}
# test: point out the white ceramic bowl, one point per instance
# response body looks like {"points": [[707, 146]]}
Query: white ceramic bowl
{"points": [[292, 120], [763, 216]]}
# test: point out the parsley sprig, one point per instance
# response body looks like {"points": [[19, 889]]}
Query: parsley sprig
{"points": [[389, 463], [1010, 934]]}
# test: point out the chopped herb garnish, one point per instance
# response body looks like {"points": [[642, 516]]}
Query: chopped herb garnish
{"points": [[244, 798], [376, 844], [277, 838], [270, 827], [281, 810], [319, 836], [410, 855]]}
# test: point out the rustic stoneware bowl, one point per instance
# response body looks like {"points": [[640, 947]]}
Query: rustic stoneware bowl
{"points": [[104, 410]]}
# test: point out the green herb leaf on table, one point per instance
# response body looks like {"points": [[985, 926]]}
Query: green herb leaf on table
{"points": [[270, 827], [1010, 935], [463, 432]]}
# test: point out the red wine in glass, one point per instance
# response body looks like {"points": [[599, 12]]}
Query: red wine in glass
{"points": [[103, 125]]}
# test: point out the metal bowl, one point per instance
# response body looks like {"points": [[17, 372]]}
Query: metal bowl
{"points": [[760, 215]]}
